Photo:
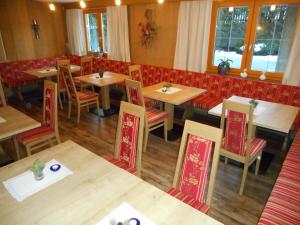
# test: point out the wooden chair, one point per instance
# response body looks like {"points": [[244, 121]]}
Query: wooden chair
{"points": [[129, 139], [154, 117], [240, 143], [135, 73], [78, 98], [60, 81], [191, 174], [86, 68], [2, 96], [48, 133]]}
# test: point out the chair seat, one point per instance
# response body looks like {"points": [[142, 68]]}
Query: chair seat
{"points": [[123, 165], [187, 199], [149, 103], [155, 115], [87, 95], [34, 134]]}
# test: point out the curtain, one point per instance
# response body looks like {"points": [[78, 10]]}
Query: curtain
{"points": [[292, 72], [75, 29], [193, 35], [118, 36]]}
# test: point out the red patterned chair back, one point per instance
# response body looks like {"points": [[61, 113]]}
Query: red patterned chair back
{"points": [[130, 135], [86, 65], [134, 92], [68, 79], [60, 80], [135, 73], [50, 105], [2, 96], [237, 136], [194, 159]]}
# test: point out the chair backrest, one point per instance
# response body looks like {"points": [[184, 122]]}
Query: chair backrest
{"points": [[68, 79], [135, 73], [60, 80], [134, 92], [129, 140], [194, 160], [50, 105], [2, 96], [86, 65], [237, 136]]}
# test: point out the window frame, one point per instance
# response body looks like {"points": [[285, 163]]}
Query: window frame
{"points": [[250, 35], [97, 12]]}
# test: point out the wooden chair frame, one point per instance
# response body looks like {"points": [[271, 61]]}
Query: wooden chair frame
{"points": [[247, 160], [139, 112], [59, 63], [83, 61], [209, 133], [2, 96], [148, 126], [134, 68], [76, 101]]}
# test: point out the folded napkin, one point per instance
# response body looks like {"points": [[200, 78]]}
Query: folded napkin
{"points": [[2, 120], [24, 185], [48, 70], [125, 212], [171, 90]]}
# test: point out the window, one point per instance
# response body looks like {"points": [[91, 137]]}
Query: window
{"points": [[96, 30], [255, 35]]}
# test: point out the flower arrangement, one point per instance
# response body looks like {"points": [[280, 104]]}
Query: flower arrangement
{"points": [[148, 32], [253, 102], [37, 169]]}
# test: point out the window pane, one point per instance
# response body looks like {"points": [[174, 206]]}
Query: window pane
{"points": [[230, 35], [273, 39], [104, 31], [92, 32]]}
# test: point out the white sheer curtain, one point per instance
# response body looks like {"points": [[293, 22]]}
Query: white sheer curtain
{"points": [[75, 29], [193, 35], [118, 36], [292, 72]]}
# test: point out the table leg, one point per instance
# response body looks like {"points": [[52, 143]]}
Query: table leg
{"points": [[105, 97], [285, 142], [170, 109], [16, 144]]}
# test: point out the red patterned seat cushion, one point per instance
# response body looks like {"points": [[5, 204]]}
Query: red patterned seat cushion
{"points": [[87, 95], [206, 101], [34, 134], [124, 165], [188, 200], [155, 115]]}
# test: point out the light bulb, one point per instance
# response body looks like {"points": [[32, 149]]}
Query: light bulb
{"points": [[118, 2], [52, 7], [273, 7], [82, 4], [259, 28], [231, 9], [160, 1]]}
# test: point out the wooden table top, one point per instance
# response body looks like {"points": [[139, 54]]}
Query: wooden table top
{"points": [[49, 71], [95, 189], [274, 116], [185, 94], [16, 122], [109, 78]]}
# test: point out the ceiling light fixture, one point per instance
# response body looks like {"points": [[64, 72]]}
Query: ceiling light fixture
{"points": [[231, 9], [82, 4], [52, 6], [118, 2], [160, 1], [273, 7]]}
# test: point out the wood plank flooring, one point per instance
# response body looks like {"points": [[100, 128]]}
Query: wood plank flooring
{"points": [[158, 164]]}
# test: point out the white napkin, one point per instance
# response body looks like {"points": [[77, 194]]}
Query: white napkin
{"points": [[47, 70], [2, 120], [171, 90], [24, 185], [125, 212]]}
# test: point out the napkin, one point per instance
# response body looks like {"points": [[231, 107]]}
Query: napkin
{"points": [[125, 212], [2, 120], [24, 185], [171, 90]]}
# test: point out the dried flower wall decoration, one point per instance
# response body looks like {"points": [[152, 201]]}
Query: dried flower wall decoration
{"points": [[148, 29]]}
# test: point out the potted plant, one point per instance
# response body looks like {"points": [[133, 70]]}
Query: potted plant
{"points": [[101, 72], [37, 169], [254, 103], [167, 87], [224, 66]]}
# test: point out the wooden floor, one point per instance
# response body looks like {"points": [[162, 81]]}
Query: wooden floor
{"points": [[158, 164]]}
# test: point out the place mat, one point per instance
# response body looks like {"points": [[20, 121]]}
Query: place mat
{"points": [[24, 185], [125, 212], [48, 70], [2, 120], [171, 90]]}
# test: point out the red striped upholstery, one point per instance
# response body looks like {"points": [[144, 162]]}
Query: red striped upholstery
{"points": [[188, 200], [123, 165], [283, 206], [87, 95], [155, 115], [34, 134], [257, 145]]}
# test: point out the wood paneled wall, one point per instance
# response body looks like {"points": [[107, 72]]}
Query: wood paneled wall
{"points": [[18, 36]]}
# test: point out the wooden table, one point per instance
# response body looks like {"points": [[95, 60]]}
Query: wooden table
{"points": [[49, 71], [274, 116], [95, 189], [185, 94], [16, 122], [108, 79]]}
